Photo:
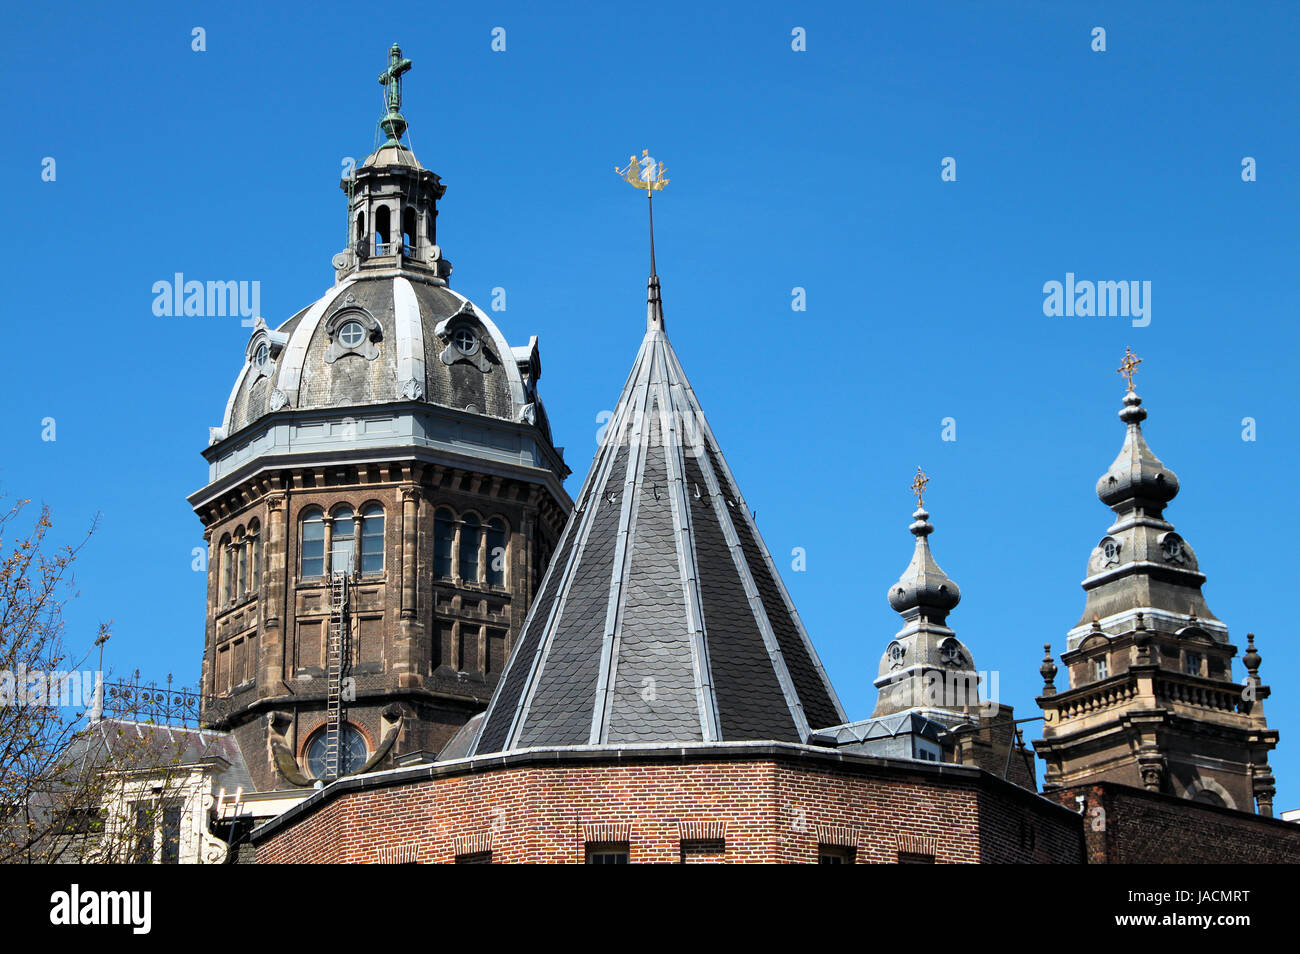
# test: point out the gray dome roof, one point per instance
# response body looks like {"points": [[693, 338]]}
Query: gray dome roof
{"points": [[924, 587], [1137, 478], [407, 350]]}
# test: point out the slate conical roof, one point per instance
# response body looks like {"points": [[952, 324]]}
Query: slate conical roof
{"points": [[661, 618]]}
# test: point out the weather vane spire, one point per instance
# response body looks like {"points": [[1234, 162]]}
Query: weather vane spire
{"points": [[393, 122], [918, 487], [1128, 367], [648, 174]]}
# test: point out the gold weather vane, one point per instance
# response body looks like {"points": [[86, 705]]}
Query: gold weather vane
{"points": [[644, 173], [648, 174], [918, 486], [1128, 367]]}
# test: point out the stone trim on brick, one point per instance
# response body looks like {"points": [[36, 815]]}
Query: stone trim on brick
{"points": [[479, 843], [917, 844], [702, 831], [843, 836], [399, 854], [607, 833]]}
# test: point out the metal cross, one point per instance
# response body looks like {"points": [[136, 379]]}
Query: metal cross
{"points": [[391, 79], [1128, 367], [918, 485]]}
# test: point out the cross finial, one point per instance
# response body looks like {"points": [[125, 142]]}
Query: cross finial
{"points": [[391, 79], [1128, 367], [918, 486]]}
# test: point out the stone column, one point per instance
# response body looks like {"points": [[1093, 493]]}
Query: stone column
{"points": [[408, 649], [410, 532], [274, 586]]}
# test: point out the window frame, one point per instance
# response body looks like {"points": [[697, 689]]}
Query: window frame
{"points": [[311, 515]]}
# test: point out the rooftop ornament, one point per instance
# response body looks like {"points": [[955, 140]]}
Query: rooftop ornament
{"points": [[394, 124]]}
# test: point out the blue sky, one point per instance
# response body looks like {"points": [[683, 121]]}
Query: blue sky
{"points": [[817, 169]]}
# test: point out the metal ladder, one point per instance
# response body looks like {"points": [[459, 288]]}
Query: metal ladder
{"points": [[338, 658]]}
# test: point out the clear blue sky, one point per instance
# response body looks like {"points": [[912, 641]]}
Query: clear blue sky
{"points": [[818, 169]]}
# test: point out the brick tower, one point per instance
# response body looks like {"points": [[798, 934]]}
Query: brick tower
{"points": [[383, 496]]}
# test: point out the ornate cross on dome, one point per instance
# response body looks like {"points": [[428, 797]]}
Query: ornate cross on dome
{"points": [[918, 485], [1128, 367], [391, 79]]}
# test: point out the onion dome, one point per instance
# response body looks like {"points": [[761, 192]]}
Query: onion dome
{"points": [[1137, 480], [926, 668], [924, 589], [1142, 566]]}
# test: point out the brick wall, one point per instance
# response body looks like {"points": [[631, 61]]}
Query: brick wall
{"points": [[1127, 825], [768, 804]]}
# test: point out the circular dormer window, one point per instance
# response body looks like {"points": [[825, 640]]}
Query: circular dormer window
{"points": [[262, 357], [466, 341], [351, 334]]}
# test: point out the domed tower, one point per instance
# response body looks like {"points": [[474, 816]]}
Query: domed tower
{"points": [[927, 685], [1151, 699], [926, 668], [382, 499]]}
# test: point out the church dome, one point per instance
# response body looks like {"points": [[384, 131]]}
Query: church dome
{"points": [[390, 329], [376, 338]]}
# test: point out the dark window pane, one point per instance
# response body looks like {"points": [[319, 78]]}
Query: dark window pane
{"points": [[171, 835]]}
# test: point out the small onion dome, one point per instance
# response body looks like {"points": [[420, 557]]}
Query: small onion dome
{"points": [[1137, 478], [924, 587]]}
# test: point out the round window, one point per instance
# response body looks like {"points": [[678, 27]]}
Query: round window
{"points": [[352, 752], [263, 355], [465, 340], [351, 334]]}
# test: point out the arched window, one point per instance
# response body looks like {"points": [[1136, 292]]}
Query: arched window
{"points": [[311, 564], [408, 227], [361, 227], [469, 540], [444, 537], [352, 752], [342, 543], [496, 552], [372, 540], [381, 230]]}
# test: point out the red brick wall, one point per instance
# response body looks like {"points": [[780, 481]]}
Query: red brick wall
{"points": [[1127, 825], [773, 809]]}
